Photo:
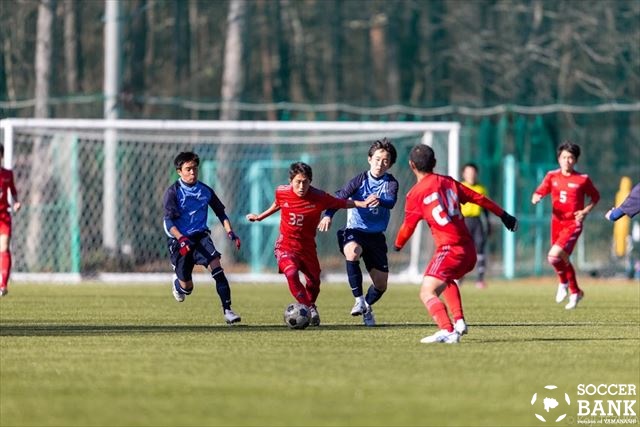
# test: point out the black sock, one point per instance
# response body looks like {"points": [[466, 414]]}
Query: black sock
{"points": [[222, 287], [355, 277], [373, 295]]}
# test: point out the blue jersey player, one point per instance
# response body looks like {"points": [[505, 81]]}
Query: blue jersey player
{"points": [[363, 237], [186, 203]]}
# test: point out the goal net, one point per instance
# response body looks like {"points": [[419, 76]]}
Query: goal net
{"points": [[92, 189]]}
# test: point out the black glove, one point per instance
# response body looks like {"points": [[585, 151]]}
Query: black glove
{"points": [[509, 221], [234, 237], [185, 245]]}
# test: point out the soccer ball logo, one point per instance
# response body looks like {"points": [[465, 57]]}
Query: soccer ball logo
{"points": [[297, 316], [550, 403]]}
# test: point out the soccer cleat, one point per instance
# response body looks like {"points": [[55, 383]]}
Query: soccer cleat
{"points": [[359, 307], [174, 288], [368, 317], [231, 317], [562, 293], [315, 316], [3, 291], [460, 327], [442, 336], [574, 299]]}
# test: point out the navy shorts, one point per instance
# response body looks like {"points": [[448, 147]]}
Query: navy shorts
{"points": [[202, 253], [374, 247]]}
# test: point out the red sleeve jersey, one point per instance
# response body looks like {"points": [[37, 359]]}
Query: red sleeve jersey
{"points": [[567, 192], [6, 185], [436, 199], [299, 216]]}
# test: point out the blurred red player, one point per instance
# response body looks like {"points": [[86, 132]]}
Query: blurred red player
{"points": [[7, 185], [568, 188]]}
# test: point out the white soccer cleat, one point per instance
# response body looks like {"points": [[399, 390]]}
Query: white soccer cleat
{"points": [[359, 307], [174, 288], [368, 317], [460, 327], [442, 336], [574, 299], [315, 316], [3, 291], [231, 317], [562, 293]]}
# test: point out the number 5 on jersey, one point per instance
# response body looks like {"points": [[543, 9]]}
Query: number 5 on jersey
{"points": [[442, 214], [296, 219]]}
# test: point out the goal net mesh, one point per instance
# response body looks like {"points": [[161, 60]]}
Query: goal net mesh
{"points": [[60, 175]]}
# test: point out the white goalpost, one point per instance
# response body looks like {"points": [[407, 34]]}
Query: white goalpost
{"points": [[93, 210]]}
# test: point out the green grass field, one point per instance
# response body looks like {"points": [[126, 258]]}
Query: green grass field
{"points": [[89, 355]]}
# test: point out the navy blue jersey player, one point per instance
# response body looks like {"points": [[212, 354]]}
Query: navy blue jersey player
{"points": [[186, 204], [363, 237]]}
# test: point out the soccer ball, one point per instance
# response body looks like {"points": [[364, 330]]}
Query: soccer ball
{"points": [[297, 316]]}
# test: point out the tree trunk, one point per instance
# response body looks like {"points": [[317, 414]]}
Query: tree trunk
{"points": [[70, 51], [41, 157], [265, 57], [233, 75]]}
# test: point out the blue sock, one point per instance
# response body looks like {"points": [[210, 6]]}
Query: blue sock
{"points": [[222, 287], [373, 295], [355, 277], [180, 289]]}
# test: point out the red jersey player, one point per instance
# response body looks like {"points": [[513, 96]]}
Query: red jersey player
{"points": [[6, 185], [295, 249], [436, 199], [567, 188]]}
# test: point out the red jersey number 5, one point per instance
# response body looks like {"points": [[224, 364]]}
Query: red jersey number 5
{"points": [[443, 214]]}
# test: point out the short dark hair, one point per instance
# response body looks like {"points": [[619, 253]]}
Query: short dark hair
{"points": [[184, 157], [300, 168], [570, 147], [470, 165], [386, 145], [423, 158]]}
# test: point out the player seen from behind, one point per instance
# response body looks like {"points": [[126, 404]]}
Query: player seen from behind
{"points": [[436, 199], [363, 237], [186, 204], [568, 189], [295, 249]]}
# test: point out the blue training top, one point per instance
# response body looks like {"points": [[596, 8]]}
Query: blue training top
{"points": [[185, 207], [373, 219]]}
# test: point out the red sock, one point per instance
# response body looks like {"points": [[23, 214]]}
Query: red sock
{"points": [[451, 295], [295, 287], [560, 267], [313, 289], [571, 278], [5, 267], [438, 312]]}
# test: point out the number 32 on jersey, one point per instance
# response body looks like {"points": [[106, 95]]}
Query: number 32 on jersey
{"points": [[442, 213]]}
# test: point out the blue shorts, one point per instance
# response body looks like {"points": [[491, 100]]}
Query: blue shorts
{"points": [[202, 253], [374, 247]]}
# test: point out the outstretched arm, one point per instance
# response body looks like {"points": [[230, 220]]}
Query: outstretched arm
{"points": [[270, 211]]}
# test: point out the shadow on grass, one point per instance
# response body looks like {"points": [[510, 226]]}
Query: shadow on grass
{"points": [[13, 329], [79, 330]]}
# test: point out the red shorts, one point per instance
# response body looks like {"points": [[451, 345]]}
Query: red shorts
{"points": [[5, 224], [306, 263], [565, 233], [452, 262]]}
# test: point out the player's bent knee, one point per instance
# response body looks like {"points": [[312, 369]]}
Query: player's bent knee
{"points": [[555, 260]]}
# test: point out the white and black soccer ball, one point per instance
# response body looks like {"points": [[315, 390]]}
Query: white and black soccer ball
{"points": [[297, 316]]}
